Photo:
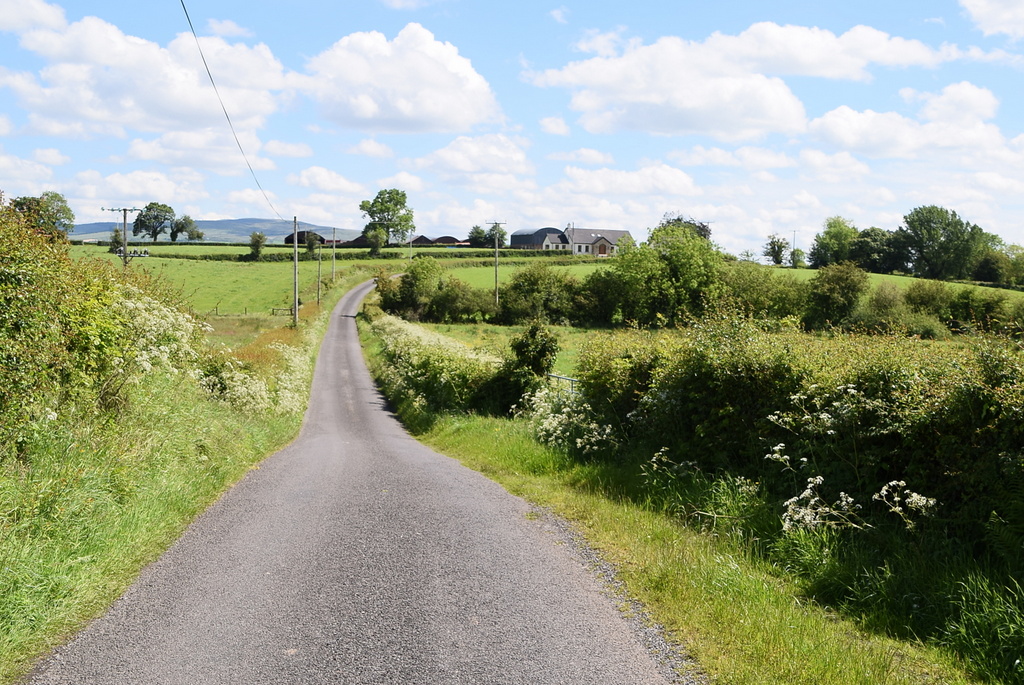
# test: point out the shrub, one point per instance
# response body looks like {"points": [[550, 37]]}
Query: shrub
{"points": [[886, 312], [929, 297], [979, 308], [428, 373], [539, 293], [457, 302], [764, 292], [835, 291]]}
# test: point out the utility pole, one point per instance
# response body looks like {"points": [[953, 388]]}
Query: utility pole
{"points": [[334, 249], [295, 271], [124, 230], [319, 266], [494, 227]]}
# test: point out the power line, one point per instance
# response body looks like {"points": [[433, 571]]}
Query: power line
{"points": [[226, 115]]}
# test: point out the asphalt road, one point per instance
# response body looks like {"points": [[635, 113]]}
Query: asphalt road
{"points": [[357, 555]]}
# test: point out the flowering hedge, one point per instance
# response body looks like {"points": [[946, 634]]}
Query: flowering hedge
{"points": [[428, 372], [859, 412]]}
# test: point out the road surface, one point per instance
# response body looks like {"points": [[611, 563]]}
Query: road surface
{"points": [[357, 555]]}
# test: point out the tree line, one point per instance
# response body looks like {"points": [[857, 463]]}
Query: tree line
{"points": [[933, 242]]}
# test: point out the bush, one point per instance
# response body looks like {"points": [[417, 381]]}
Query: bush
{"points": [[456, 302], [760, 291], [835, 291], [539, 293], [886, 312], [929, 297], [979, 308]]}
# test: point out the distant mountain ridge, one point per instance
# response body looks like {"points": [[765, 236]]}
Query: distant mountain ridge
{"points": [[221, 230]]}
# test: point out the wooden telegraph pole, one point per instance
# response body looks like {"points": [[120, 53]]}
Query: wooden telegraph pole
{"points": [[295, 272], [124, 230], [495, 224]]}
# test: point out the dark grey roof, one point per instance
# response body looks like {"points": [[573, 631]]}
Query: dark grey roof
{"points": [[531, 236], [589, 236]]}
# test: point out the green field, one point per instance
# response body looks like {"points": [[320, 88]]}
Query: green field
{"points": [[900, 281], [483, 276], [494, 340]]}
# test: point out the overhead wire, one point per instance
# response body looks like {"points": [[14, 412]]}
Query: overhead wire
{"points": [[227, 116]]}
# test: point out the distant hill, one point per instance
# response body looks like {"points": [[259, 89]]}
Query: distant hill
{"points": [[221, 230]]}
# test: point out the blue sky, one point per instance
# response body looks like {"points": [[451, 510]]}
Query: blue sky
{"points": [[755, 117]]}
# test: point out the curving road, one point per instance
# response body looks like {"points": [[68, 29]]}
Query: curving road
{"points": [[357, 555]]}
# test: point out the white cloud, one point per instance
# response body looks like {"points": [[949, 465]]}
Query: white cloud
{"points": [[656, 179], [602, 44], [281, 149], [954, 119], [747, 157], [583, 156], [641, 90], [210, 148], [492, 153], [6, 127], [810, 51], [15, 172], [996, 16], [50, 156], [556, 126], [371, 148], [957, 103], [139, 188], [999, 183], [320, 178], [838, 168], [561, 15], [99, 81], [25, 15], [227, 28], [404, 180], [414, 83]]}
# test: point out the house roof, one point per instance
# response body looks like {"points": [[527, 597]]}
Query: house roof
{"points": [[532, 236]]}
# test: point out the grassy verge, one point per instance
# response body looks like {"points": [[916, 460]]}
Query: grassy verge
{"points": [[742, 620]]}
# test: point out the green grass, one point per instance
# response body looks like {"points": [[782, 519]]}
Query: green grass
{"points": [[483, 276], [494, 340], [874, 280]]}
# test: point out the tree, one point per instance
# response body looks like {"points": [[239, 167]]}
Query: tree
{"points": [[701, 228], [833, 244], [187, 226], [776, 248], [48, 214], [116, 240], [155, 219], [495, 232], [388, 211], [477, 237], [941, 245], [313, 240], [257, 241], [875, 250], [835, 291], [797, 258], [376, 238]]}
